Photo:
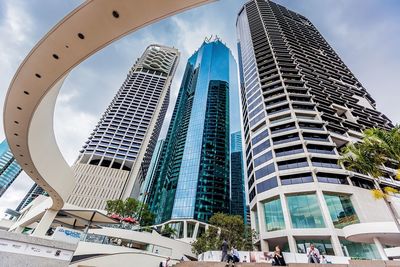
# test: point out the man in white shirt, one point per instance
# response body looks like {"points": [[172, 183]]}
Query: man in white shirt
{"points": [[312, 254], [167, 263]]}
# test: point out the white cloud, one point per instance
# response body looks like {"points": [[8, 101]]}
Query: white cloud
{"points": [[13, 196], [71, 126], [16, 31]]}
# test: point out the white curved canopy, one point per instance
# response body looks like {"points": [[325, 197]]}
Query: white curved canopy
{"points": [[386, 232], [30, 101]]}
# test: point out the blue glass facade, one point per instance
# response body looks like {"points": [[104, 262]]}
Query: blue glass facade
{"points": [[9, 168], [193, 177], [238, 196]]}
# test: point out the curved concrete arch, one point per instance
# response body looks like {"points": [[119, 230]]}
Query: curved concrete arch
{"points": [[30, 101]]}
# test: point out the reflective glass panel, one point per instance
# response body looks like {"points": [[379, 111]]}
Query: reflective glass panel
{"points": [[274, 215], [305, 211], [341, 210]]}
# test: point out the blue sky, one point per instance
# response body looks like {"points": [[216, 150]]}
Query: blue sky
{"points": [[365, 33]]}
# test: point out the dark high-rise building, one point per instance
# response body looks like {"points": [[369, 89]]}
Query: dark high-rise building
{"points": [[9, 167], [33, 193], [238, 191], [301, 104], [192, 181], [114, 161]]}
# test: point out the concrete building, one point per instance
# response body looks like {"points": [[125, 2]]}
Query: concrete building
{"points": [[238, 190], [9, 167], [114, 161], [192, 181], [301, 105]]}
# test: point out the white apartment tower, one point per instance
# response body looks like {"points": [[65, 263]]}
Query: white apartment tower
{"points": [[115, 158], [301, 104]]}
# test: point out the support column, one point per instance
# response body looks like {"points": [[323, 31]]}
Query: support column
{"points": [[292, 244], [45, 222], [329, 224], [337, 248], [380, 248]]}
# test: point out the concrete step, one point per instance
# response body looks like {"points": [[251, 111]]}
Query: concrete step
{"points": [[353, 263]]}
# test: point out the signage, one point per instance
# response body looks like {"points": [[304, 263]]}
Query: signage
{"points": [[67, 235], [35, 250]]}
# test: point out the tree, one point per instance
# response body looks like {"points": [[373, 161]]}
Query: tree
{"points": [[168, 231], [377, 148], [228, 227], [131, 207]]}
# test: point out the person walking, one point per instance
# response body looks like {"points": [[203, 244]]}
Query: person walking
{"points": [[166, 263], [224, 249], [278, 259], [313, 254]]}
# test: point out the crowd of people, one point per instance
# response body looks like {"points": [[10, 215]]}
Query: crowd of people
{"points": [[232, 256], [313, 255]]}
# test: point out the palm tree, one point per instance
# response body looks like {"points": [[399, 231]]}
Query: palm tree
{"points": [[377, 148]]}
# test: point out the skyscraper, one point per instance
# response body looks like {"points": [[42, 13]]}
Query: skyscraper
{"points": [[9, 168], [301, 105], [33, 193], [151, 172], [238, 191], [114, 160], [192, 181]]}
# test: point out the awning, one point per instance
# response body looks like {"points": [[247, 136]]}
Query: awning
{"points": [[83, 218]]}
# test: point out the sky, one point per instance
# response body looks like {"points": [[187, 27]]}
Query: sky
{"points": [[365, 34]]}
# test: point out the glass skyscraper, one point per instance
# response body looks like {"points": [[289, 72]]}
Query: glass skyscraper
{"points": [[33, 193], [301, 104], [9, 168], [192, 181], [114, 161], [238, 191]]}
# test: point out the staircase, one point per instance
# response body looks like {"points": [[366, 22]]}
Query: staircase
{"points": [[353, 263]]}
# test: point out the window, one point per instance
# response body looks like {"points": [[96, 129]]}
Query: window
{"points": [[341, 210], [257, 119], [292, 164], [286, 138], [263, 158], [324, 246], [273, 215], [305, 211], [264, 171], [359, 250], [300, 178], [252, 194], [267, 185], [325, 163], [190, 229], [178, 227], [363, 183], [316, 137], [320, 149], [291, 150], [263, 146], [260, 137], [283, 128], [331, 178]]}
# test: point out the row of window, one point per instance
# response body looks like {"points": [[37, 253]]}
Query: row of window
{"points": [[305, 212]]}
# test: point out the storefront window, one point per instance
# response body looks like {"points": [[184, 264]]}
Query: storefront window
{"points": [[324, 246], [190, 229], [305, 211], [341, 210], [274, 215], [359, 251]]}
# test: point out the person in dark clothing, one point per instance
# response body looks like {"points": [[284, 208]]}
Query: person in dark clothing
{"points": [[278, 258], [224, 249]]}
